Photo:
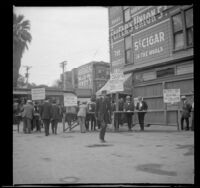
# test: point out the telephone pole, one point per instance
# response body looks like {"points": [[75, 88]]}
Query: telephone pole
{"points": [[27, 74], [62, 65]]}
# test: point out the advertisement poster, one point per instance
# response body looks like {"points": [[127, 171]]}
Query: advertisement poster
{"points": [[171, 95], [38, 94], [70, 99]]}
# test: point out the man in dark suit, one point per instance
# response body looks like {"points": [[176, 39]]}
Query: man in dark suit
{"points": [[45, 112], [186, 110], [128, 107], [55, 115], [142, 108], [103, 109]]}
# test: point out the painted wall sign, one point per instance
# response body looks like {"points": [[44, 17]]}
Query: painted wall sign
{"points": [[152, 44], [38, 93], [171, 95], [85, 76], [139, 21], [115, 15]]}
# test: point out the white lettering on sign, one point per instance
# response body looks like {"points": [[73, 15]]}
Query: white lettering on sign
{"points": [[135, 9], [117, 53], [38, 93], [138, 22], [149, 41], [171, 95]]}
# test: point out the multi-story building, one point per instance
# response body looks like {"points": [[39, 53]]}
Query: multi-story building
{"points": [[155, 45], [93, 75]]}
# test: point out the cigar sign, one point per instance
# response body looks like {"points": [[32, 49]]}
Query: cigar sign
{"points": [[152, 44]]}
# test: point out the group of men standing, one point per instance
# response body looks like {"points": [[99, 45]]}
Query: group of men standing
{"points": [[49, 113], [104, 109]]}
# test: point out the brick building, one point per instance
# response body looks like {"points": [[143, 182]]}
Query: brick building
{"points": [[155, 45]]}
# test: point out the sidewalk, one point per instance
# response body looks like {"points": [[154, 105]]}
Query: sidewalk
{"points": [[160, 154]]}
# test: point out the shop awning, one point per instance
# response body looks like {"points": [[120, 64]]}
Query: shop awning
{"points": [[113, 86]]}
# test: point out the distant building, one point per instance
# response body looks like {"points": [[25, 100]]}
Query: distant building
{"points": [[93, 75]]}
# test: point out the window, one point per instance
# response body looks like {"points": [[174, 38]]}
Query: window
{"points": [[182, 24], [127, 15], [128, 49], [189, 26], [178, 31], [165, 72]]}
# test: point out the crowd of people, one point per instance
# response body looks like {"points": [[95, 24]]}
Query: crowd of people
{"points": [[92, 115]]}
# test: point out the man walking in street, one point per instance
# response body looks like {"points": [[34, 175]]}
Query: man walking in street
{"points": [[55, 115], [45, 113], [103, 109], [142, 108], [27, 116]]}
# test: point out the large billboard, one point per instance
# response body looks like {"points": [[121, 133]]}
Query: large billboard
{"points": [[152, 44]]}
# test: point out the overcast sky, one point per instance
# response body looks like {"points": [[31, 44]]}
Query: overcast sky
{"points": [[75, 34]]}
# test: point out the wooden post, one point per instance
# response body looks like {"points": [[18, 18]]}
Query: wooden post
{"points": [[63, 121], [164, 106], [117, 109]]}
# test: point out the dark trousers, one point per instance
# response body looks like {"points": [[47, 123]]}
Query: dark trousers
{"points": [[92, 119], [46, 126], [36, 123], [87, 122], [141, 120], [54, 124], [129, 120], [187, 122], [26, 125], [103, 130]]}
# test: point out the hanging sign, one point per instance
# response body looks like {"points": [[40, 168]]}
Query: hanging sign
{"points": [[38, 93], [171, 95]]}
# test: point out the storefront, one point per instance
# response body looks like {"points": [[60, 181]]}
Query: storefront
{"points": [[155, 45]]}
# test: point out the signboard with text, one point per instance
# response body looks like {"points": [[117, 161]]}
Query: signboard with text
{"points": [[152, 44], [171, 95], [70, 99], [38, 93], [117, 82]]}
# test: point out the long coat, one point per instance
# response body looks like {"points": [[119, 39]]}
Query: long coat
{"points": [[186, 109], [45, 110], [55, 112], [28, 111], [103, 109]]}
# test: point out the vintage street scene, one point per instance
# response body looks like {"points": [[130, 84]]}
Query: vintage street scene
{"points": [[103, 95]]}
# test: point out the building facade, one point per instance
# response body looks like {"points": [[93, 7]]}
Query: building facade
{"points": [[93, 75], [155, 44]]}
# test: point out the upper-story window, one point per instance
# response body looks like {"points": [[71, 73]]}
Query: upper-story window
{"points": [[128, 49], [127, 15], [182, 25]]}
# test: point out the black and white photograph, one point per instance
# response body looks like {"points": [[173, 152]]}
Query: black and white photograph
{"points": [[103, 95]]}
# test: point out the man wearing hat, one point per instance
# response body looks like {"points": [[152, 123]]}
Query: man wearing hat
{"points": [[103, 109], [128, 107], [27, 115], [186, 109], [55, 115], [142, 108], [45, 113]]}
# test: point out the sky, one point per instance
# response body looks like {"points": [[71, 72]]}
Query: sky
{"points": [[77, 35]]}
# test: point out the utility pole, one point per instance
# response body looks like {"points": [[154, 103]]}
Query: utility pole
{"points": [[62, 65], [27, 74]]}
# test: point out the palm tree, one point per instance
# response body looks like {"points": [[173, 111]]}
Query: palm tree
{"points": [[21, 37]]}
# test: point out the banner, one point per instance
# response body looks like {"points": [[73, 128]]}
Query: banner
{"points": [[171, 95], [117, 82], [38, 93], [70, 99]]}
